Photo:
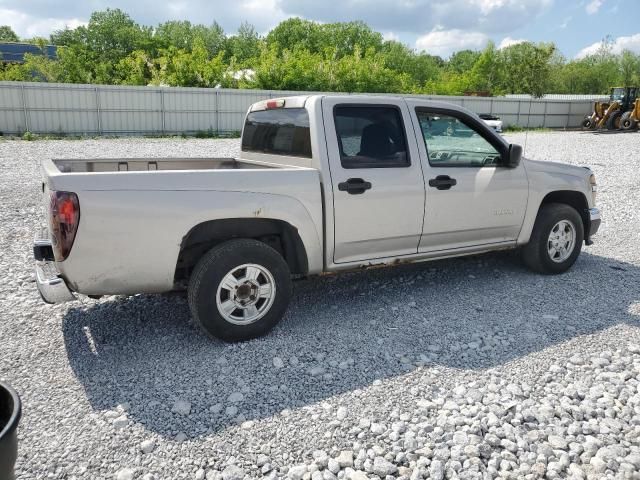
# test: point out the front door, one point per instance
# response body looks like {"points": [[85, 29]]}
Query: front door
{"points": [[376, 175], [471, 199]]}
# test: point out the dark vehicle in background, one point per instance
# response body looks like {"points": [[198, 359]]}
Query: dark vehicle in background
{"points": [[10, 411]]}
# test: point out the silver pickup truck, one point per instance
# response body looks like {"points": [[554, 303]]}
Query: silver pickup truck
{"points": [[324, 184]]}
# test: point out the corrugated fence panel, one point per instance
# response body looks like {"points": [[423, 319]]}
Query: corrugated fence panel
{"points": [[12, 114], [63, 122], [128, 110]]}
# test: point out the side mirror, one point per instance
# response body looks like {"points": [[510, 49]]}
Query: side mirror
{"points": [[513, 157]]}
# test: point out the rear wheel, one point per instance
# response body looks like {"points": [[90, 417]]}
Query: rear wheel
{"points": [[627, 122], [239, 290], [613, 122], [556, 239]]}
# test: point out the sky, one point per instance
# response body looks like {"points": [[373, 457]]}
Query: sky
{"points": [[439, 27]]}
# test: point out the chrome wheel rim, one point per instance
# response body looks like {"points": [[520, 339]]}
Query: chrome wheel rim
{"points": [[246, 294], [562, 241]]}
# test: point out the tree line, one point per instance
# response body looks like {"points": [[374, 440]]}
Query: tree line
{"points": [[304, 55]]}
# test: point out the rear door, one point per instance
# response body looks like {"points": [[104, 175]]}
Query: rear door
{"points": [[376, 175]]}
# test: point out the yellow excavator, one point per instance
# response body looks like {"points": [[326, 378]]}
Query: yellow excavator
{"points": [[622, 100]]}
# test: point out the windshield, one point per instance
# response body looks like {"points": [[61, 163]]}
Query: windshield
{"points": [[617, 94]]}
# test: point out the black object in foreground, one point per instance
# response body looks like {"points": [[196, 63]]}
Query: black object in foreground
{"points": [[10, 410]]}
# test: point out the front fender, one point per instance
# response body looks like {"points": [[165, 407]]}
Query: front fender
{"points": [[542, 184]]}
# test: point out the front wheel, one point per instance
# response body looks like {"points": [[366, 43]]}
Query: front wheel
{"points": [[239, 290], [627, 122], [613, 122], [556, 239]]}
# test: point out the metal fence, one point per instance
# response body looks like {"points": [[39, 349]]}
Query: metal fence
{"points": [[70, 109]]}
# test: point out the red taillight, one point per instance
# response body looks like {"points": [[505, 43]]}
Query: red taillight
{"points": [[275, 104], [64, 216]]}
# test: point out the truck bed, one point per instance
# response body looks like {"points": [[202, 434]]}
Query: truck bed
{"points": [[153, 164]]}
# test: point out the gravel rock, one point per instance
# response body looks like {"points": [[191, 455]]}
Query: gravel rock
{"points": [[181, 407], [333, 465], [341, 413], [297, 472], [345, 459], [120, 422], [147, 446], [125, 474], [235, 397], [233, 472], [382, 467]]}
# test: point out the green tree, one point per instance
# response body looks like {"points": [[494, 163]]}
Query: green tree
{"points": [[137, 68], [366, 72], [178, 67], [297, 33], [527, 68], [296, 69], [629, 68], [463, 61], [182, 34], [245, 44], [347, 37], [7, 34], [487, 74], [420, 67]]}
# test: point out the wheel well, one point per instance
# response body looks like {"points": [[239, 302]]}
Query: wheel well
{"points": [[574, 199], [279, 235]]}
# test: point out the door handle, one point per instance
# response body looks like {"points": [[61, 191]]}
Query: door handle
{"points": [[354, 186], [442, 182]]}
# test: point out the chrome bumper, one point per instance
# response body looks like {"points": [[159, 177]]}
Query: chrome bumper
{"points": [[594, 224], [52, 287]]}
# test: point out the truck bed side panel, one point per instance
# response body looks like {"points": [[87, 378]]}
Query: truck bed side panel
{"points": [[132, 224]]}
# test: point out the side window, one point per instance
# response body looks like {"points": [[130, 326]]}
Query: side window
{"points": [[452, 143], [371, 137]]}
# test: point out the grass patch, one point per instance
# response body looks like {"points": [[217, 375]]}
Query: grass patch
{"points": [[518, 128], [31, 137]]}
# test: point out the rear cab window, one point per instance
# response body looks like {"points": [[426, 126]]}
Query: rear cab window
{"points": [[282, 131]]}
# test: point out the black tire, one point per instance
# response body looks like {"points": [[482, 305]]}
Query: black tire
{"points": [[613, 122], [536, 253], [588, 124], [627, 122], [205, 288]]}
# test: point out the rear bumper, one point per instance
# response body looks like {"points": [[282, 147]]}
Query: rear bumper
{"points": [[51, 286], [594, 224]]}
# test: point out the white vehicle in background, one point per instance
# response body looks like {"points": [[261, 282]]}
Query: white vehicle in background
{"points": [[324, 183], [492, 121]]}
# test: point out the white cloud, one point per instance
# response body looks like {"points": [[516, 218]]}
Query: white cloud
{"points": [[508, 42], [27, 26], [566, 22], [418, 16], [390, 36], [631, 42], [593, 6], [445, 42], [41, 17]]}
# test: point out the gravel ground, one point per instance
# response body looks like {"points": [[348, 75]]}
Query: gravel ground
{"points": [[464, 368]]}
